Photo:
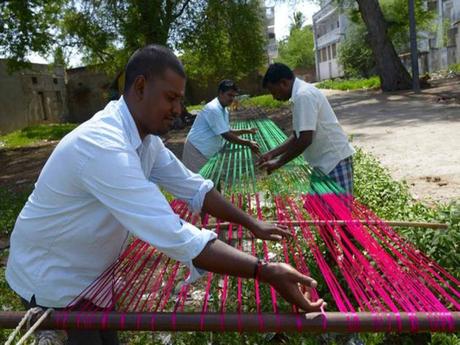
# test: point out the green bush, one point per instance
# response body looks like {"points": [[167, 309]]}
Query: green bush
{"points": [[454, 68], [350, 84], [355, 54], [265, 101], [195, 107]]}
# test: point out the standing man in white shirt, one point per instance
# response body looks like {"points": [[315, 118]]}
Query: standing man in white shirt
{"points": [[211, 127], [316, 131], [102, 183]]}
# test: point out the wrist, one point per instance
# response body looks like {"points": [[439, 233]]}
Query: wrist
{"points": [[263, 271]]}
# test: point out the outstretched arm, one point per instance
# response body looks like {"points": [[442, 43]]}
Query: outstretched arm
{"points": [[244, 131], [293, 148], [277, 150], [215, 204], [233, 138], [221, 258]]}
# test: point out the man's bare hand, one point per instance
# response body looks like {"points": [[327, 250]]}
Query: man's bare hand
{"points": [[270, 165], [254, 147], [271, 232], [285, 279], [264, 158]]}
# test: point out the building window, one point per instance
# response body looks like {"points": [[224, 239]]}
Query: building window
{"points": [[34, 80], [338, 24], [328, 52], [323, 55], [55, 81], [334, 50]]}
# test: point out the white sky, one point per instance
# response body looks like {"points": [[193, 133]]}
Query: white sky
{"points": [[284, 13], [283, 18]]}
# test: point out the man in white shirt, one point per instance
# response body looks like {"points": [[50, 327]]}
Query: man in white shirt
{"points": [[101, 183], [316, 131], [211, 127]]}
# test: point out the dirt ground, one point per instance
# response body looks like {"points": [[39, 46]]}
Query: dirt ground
{"points": [[416, 136]]}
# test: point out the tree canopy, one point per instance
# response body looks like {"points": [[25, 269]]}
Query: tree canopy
{"points": [[297, 51], [229, 41], [106, 32]]}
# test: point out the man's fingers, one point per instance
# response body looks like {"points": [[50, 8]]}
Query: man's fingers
{"points": [[274, 237], [282, 232], [305, 280], [264, 165], [299, 300], [314, 306]]}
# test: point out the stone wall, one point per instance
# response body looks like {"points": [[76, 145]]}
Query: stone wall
{"points": [[31, 96], [89, 92]]}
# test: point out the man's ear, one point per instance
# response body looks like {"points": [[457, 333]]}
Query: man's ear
{"points": [[139, 86], [284, 83]]}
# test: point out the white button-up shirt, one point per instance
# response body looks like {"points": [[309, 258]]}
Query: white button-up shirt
{"points": [[311, 111], [208, 127], [99, 184]]}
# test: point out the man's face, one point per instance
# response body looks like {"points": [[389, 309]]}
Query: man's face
{"points": [[280, 91], [161, 102], [226, 98]]}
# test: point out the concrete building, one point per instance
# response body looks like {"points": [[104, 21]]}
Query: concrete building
{"points": [[329, 27], [31, 96], [272, 45], [437, 49], [441, 47]]}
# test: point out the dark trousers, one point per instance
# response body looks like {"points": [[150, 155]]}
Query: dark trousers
{"points": [[82, 337]]}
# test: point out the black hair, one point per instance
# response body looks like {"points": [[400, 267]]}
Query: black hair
{"points": [[151, 61], [226, 85], [276, 72]]}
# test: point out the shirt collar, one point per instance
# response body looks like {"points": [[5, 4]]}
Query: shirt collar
{"points": [[295, 88], [129, 124], [220, 106]]}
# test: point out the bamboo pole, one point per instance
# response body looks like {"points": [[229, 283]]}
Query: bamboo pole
{"points": [[253, 322], [399, 223]]}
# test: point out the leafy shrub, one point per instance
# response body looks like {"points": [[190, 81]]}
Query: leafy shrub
{"points": [[350, 84], [265, 101]]}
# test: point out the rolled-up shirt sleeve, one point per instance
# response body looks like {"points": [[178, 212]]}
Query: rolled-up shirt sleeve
{"points": [[169, 172], [115, 178]]}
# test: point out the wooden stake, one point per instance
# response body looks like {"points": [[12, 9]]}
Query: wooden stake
{"points": [[362, 221]]}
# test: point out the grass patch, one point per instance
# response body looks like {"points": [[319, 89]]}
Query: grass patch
{"points": [[33, 134], [197, 107], [350, 84], [10, 206], [264, 101]]}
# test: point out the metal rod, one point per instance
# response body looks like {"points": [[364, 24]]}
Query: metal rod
{"points": [[362, 221], [230, 322]]}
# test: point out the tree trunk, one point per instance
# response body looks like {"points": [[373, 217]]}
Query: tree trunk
{"points": [[392, 73]]}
